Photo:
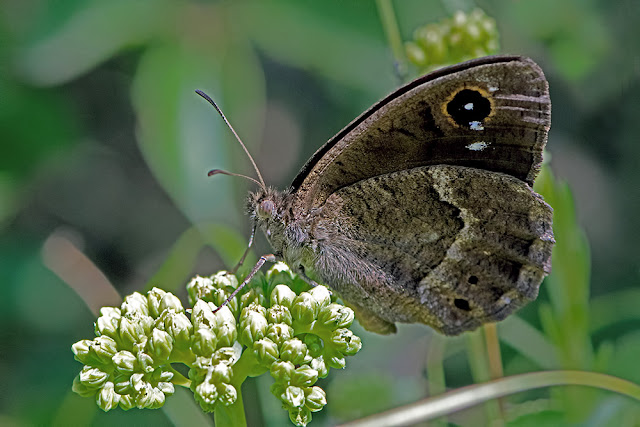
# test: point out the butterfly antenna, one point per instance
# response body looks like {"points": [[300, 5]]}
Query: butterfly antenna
{"points": [[223, 172], [217, 171]]}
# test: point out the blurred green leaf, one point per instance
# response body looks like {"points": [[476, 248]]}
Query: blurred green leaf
{"points": [[180, 135], [178, 266], [316, 27], [573, 30], [88, 38], [543, 418]]}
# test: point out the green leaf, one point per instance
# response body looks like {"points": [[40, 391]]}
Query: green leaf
{"points": [[88, 38]]}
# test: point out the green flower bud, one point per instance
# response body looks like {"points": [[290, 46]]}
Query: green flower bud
{"points": [[346, 342], [147, 323], [279, 268], [127, 402], [315, 398], [253, 326], [293, 350], [114, 312], [82, 353], [266, 351], [293, 396], [199, 288], [415, 54], [107, 325], [179, 327], [82, 389], [300, 416], [228, 355], [221, 373], [204, 342], [304, 376], [122, 384], [125, 362], [166, 388], [224, 315], [219, 298], [160, 345], [145, 361], [154, 296], [254, 296], [171, 302], [103, 348], [282, 295], [107, 399], [150, 398], [321, 294], [336, 316], [227, 394], [93, 377], [225, 280], [161, 375], [206, 394], [279, 314], [320, 366], [282, 371], [133, 304], [226, 331], [336, 362], [304, 308], [202, 315], [279, 332], [251, 310], [138, 383], [130, 332], [431, 39]]}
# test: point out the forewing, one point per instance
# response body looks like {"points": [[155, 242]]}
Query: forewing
{"points": [[492, 114]]}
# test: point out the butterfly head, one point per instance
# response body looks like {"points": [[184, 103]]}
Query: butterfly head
{"points": [[267, 208]]}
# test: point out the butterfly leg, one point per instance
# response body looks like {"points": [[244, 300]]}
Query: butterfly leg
{"points": [[259, 264], [306, 278], [246, 251]]}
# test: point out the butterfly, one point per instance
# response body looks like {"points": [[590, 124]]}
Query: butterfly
{"points": [[421, 210]]}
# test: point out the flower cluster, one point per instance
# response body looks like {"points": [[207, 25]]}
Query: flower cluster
{"points": [[128, 364], [295, 336], [462, 37]]}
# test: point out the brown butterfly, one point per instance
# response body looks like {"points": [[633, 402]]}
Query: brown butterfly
{"points": [[421, 209]]}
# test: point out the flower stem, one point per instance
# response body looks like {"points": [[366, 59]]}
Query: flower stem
{"points": [[390, 25], [232, 415]]}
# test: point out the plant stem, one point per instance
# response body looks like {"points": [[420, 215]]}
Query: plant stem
{"points": [[494, 358], [466, 397], [232, 415], [390, 25], [480, 371], [435, 371]]}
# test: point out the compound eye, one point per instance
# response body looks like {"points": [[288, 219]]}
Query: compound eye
{"points": [[265, 209]]}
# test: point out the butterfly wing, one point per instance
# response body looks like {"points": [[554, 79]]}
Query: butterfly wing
{"points": [[452, 247], [492, 114]]}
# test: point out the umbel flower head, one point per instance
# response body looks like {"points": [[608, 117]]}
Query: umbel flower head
{"points": [[296, 337], [456, 39]]}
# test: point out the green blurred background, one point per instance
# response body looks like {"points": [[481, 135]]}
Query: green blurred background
{"points": [[104, 150]]}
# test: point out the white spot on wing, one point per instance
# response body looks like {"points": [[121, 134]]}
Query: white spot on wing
{"points": [[478, 145], [492, 89], [468, 106], [475, 125]]}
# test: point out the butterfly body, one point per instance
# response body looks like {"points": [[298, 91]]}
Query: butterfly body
{"points": [[421, 210]]}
